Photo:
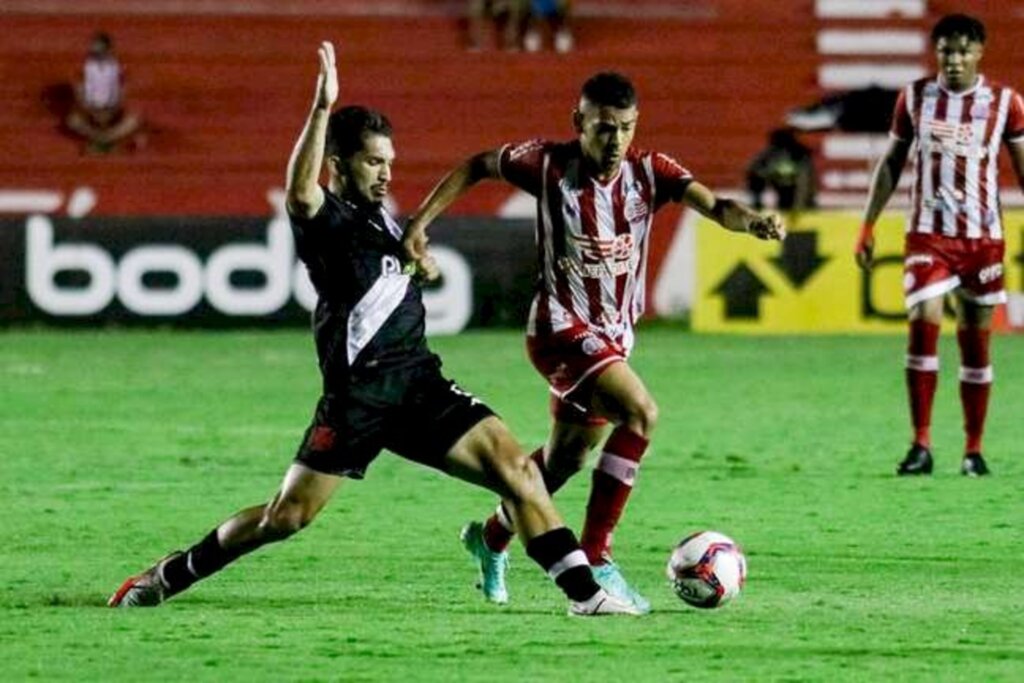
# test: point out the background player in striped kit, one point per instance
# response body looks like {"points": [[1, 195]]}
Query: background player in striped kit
{"points": [[382, 387], [596, 198], [954, 242]]}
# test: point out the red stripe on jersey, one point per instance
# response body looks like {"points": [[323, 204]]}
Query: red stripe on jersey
{"points": [[935, 164], [556, 235], [918, 89], [984, 198]]}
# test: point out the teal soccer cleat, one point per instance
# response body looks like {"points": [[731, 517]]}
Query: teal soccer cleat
{"points": [[492, 565], [610, 578]]}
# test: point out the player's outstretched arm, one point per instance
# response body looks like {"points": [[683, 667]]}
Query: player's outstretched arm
{"points": [[733, 215], [303, 193], [464, 176], [883, 184]]}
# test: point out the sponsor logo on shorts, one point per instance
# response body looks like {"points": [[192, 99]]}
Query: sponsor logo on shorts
{"points": [[990, 273], [592, 346]]}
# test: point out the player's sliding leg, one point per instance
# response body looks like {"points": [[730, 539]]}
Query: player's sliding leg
{"points": [[303, 494], [973, 334], [488, 455], [488, 542], [922, 372]]}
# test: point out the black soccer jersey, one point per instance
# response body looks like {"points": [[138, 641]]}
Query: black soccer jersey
{"points": [[369, 313]]}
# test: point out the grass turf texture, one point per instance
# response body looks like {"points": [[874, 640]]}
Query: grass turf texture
{"points": [[119, 446]]}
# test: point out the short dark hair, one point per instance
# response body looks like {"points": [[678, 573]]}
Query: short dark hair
{"points": [[103, 38], [609, 89], [348, 125], [959, 25]]}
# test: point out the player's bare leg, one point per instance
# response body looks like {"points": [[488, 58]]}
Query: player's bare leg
{"points": [[620, 396], [302, 495], [974, 329], [488, 541], [922, 371], [489, 456]]}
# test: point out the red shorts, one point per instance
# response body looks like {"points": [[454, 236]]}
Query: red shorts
{"points": [[570, 360], [935, 265]]}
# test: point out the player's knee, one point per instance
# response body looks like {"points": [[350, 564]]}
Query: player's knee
{"points": [[281, 520], [515, 473], [643, 417]]}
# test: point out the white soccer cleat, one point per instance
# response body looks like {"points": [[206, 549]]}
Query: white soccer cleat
{"points": [[603, 604]]}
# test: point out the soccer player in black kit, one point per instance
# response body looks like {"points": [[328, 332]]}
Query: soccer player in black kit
{"points": [[382, 387]]}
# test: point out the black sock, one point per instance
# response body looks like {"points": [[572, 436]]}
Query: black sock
{"points": [[558, 553], [201, 560]]}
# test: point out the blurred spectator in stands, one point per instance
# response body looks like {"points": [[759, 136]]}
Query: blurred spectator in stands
{"points": [[785, 166], [99, 115], [550, 16], [507, 16]]}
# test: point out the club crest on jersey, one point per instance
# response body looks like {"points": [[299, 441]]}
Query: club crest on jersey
{"points": [[635, 208], [980, 110]]}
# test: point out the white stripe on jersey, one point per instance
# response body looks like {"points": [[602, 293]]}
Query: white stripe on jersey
{"points": [[373, 310]]}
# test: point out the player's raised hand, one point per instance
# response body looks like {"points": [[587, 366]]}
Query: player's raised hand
{"points": [[767, 226], [417, 255], [327, 81]]}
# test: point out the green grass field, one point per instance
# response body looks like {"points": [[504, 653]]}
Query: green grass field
{"points": [[119, 446]]}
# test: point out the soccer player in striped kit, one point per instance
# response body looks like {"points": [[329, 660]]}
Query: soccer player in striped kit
{"points": [[596, 198], [953, 123]]}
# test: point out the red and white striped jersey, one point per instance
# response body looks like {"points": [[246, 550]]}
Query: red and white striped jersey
{"points": [[955, 192], [592, 237]]}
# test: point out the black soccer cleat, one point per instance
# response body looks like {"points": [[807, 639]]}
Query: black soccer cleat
{"points": [[918, 461], [974, 465]]}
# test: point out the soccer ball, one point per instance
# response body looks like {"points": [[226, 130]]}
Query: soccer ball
{"points": [[707, 569]]}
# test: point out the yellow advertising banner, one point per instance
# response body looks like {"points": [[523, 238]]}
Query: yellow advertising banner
{"points": [[811, 284]]}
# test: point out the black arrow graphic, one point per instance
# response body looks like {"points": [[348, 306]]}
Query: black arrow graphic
{"points": [[1020, 256], [799, 258], [742, 291]]}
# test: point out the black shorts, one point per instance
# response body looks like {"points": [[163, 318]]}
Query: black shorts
{"points": [[413, 412]]}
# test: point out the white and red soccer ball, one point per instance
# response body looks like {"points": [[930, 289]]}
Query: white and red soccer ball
{"points": [[707, 569]]}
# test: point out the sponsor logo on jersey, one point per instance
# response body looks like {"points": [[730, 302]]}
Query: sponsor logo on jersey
{"points": [[619, 248]]}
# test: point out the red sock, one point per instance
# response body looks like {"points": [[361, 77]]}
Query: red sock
{"points": [[498, 532], [612, 483], [922, 377], [975, 383]]}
